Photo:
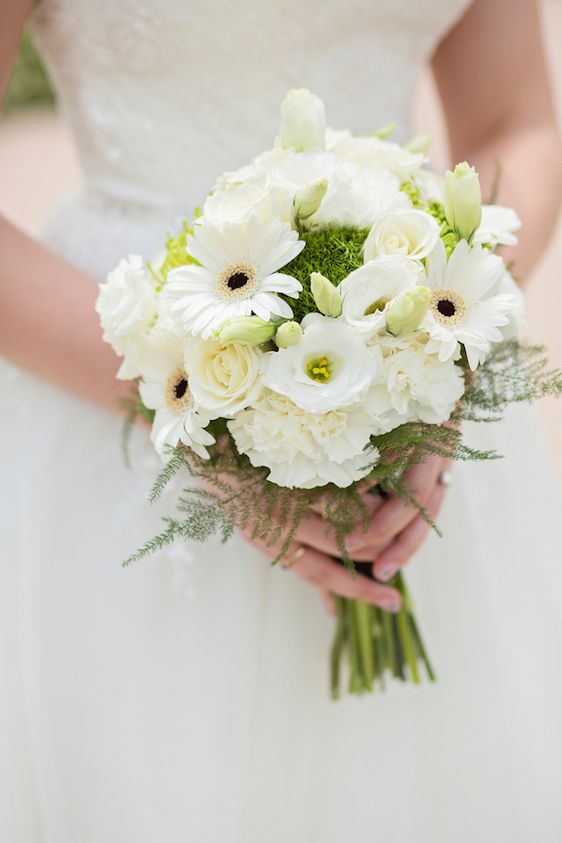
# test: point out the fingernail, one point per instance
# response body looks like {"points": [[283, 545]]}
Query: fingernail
{"points": [[388, 571], [354, 543], [391, 606]]}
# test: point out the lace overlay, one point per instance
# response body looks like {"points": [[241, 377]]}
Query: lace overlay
{"points": [[163, 96]]}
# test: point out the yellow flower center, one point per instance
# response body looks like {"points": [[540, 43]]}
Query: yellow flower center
{"points": [[237, 281], [377, 305], [448, 307], [319, 370], [178, 396]]}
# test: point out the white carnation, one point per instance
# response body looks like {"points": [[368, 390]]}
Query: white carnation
{"points": [[326, 369], [412, 385], [354, 197], [223, 379], [301, 449]]}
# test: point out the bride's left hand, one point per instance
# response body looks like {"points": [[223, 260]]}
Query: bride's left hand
{"points": [[397, 530]]}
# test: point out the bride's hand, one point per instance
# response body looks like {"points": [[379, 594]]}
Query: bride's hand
{"points": [[397, 530], [317, 567]]}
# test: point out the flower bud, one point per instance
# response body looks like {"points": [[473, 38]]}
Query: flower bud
{"points": [[309, 198], [246, 330], [419, 143], [463, 200], [303, 121], [288, 334], [326, 296], [383, 132], [406, 312]]}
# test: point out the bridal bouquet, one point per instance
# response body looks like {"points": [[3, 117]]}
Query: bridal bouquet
{"points": [[325, 322]]}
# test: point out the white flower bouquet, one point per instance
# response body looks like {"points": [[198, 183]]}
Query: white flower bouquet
{"points": [[326, 322]]}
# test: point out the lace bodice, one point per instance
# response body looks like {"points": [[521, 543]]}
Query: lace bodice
{"points": [[163, 95]]}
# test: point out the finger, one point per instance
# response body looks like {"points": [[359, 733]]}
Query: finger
{"points": [[321, 571], [405, 545], [395, 513], [315, 532], [328, 601]]}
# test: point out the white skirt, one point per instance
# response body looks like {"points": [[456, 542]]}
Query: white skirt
{"points": [[186, 699]]}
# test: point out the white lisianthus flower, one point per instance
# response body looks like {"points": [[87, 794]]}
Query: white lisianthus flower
{"points": [[328, 368], [236, 275], [127, 305], [498, 226], [165, 388], [303, 121], [516, 314], [301, 449], [223, 379], [412, 385], [431, 185], [373, 153], [466, 304], [405, 232], [368, 291]]}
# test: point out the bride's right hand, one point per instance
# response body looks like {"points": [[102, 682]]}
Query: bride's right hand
{"points": [[309, 556]]}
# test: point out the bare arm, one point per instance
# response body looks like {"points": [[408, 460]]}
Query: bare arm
{"points": [[493, 80], [47, 320]]}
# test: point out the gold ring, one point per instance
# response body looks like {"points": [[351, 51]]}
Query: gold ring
{"points": [[289, 561]]}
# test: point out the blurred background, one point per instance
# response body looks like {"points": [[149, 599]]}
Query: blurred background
{"points": [[38, 163]]}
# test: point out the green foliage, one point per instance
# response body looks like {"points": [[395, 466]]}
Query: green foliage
{"points": [[176, 254], [227, 492], [447, 233], [334, 251], [413, 193], [29, 84]]}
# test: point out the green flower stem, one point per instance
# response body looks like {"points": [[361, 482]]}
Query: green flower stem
{"points": [[366, 645], [375, 643]]}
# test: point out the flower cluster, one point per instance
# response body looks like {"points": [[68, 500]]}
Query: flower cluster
{"points": [[329, 292]]}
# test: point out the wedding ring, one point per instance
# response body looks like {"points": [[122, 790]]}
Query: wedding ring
{"points": [[445, 478], [288, 561]]}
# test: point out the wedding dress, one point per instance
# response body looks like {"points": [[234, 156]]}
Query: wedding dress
{"points": [[187, 699]]}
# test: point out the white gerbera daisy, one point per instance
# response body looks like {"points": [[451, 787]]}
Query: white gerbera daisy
{"points": [[302, 449], [236, 274], [466, 305], [164, 387], [327, 368]]}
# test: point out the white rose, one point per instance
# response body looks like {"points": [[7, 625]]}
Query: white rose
{"points": [[304, 450], [368, 291], [127, 303], [236, 201], [303, 121], [328, 368], [402, 232], [223, 379]]}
